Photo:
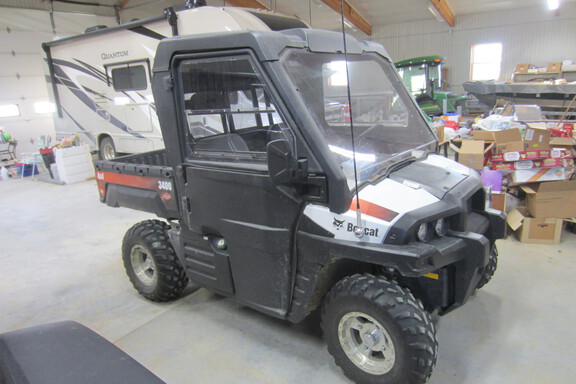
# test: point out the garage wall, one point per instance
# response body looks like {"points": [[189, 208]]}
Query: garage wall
{"points": [[530, 35], [22, 68]]}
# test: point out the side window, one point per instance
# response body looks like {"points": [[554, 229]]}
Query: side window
{"points": [[128, 76], [228, 107]]}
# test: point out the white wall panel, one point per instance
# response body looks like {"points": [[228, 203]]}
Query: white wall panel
{"points": [[529, 35], [22, 68]]}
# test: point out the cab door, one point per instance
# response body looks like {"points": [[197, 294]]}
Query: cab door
{"points": [[238, 235]]}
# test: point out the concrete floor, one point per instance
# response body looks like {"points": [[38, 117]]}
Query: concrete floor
{"points": [[60, 258]]}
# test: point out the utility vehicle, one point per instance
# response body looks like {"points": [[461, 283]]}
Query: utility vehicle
{"points": [[257, 192]]}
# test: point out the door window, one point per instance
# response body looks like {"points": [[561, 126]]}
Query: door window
{"points": [[228, 107]]}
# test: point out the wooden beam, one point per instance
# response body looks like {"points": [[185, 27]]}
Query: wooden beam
{"points": [[351, 15], [247, 4], [445, 11]]}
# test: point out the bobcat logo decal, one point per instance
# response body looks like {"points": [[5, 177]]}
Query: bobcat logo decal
{"points": [[338, 223]]}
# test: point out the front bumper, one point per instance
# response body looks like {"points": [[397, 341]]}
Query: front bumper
{"points": [[443, 273]]}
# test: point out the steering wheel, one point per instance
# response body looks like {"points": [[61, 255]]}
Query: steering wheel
{"points": [[274, 132]]}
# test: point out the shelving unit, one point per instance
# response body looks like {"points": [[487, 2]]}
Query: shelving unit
{"points": [[531, 77]]}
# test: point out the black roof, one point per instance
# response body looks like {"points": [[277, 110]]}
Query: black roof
{"points": [[267, 45]]}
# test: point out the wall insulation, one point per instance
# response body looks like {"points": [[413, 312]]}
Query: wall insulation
{"points": [[23, 70], [529, 35]]}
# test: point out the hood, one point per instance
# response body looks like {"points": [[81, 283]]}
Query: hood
{"points": [[417, 185], [436, 174]]}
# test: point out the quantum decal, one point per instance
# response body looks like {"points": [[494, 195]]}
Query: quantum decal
{"points": [[114, 55]]}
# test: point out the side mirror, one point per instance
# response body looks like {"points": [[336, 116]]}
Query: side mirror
{"points": [[281, 163]]}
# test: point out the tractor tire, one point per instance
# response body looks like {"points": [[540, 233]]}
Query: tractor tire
{"points": [[490, 268], [151, 262], [378, 333], [107, 149]]}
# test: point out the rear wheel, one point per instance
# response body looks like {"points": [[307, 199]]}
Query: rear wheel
{"points": [[107, 149], [378, 332], [151, 263]]}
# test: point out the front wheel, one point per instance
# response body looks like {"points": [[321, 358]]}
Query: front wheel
{"points": [[490, 268], [107, 149], [378, 333], [151, 262]]}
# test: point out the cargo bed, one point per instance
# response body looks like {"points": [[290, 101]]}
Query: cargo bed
{"points": [[143, 182]]}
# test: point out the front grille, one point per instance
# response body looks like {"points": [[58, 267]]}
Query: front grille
{"points": [[476, 203]]}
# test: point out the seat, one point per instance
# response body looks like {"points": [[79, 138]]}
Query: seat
{"points": [[229, 142], [210, 100], [66, 353]]}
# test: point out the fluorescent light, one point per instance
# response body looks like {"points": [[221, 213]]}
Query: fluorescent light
{"points": [[44, 107], [553, 4], [348, 24], [435, 13], [9, 110]]}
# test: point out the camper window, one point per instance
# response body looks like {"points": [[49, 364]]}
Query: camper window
{"points": [[129, 78]]}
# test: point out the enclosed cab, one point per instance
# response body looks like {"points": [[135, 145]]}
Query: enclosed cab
{"points": [[292, 196], [424, 76]]}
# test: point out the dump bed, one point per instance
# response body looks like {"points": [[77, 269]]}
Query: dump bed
{"points": [[143, 182]]}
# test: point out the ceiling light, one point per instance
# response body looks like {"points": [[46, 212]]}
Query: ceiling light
{"points": [[553, 4], [435, 13]]}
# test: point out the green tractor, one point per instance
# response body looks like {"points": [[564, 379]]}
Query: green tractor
{"points": [[423, 77]]}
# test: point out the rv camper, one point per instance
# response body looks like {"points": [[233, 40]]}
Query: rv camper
{"points": [[100, 80]]}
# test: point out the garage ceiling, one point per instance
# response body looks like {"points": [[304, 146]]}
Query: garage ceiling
{"points": [[316, 12]]}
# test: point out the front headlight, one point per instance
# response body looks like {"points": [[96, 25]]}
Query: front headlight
{"points": [[440, 227], [424, 232]]}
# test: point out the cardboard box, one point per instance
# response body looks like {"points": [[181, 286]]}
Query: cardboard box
{"points": [[530, 164], [508, 140], [522, 155], [555, 67], [536, 138], [498, 201], [566, 143], [522, 68], [537, 175], [535, 231], [557, 200], [472, 153]]}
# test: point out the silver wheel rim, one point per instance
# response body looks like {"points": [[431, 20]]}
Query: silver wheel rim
{"points": [[143, 265], [109, 152], [366, 343]]}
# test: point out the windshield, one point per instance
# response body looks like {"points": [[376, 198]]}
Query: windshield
{"points": [[388, 127]]}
